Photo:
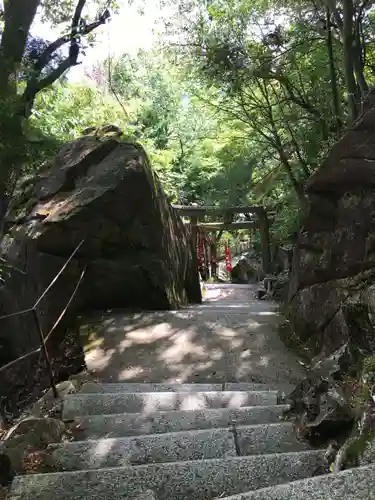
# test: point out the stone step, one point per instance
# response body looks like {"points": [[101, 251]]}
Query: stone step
{"points": [[352, 484], [250, 386], [146, 402], [133, 424], [146, 495], [90, 387], [198, 480], [174, 447], [147, 387], [139, 450], [268, 438]]}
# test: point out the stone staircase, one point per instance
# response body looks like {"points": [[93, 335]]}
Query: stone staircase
{"points": [[186, 442]]}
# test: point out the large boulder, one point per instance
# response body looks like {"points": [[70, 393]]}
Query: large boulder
{"points": [[247, 269], [320, 410], [282, 258], [136, 250], [333, 269]]}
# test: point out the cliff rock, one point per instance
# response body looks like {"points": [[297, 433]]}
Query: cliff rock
{"points": [[136, 250], [331, 295]]}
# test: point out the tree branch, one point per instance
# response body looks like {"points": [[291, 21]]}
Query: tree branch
{"points": [[255, 127], [296, 96], [332, 69], [348, 53], [299, 190], [358, 55], [294, 141], [35, 83]]}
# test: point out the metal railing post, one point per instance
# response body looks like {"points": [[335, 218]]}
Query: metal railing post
{"points": [[42, 338], [45, 353]]}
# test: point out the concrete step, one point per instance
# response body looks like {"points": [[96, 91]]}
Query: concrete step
{"points": [[252, 386], [146, 495], [166, 387], [174, 447], [198, 480], [268, 438], [139, 450], [146, 402], [352, 484], [133, 424], [148, 387]]}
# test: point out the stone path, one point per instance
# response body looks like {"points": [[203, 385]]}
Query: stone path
{"points": [[172, 440], [230, 337]]}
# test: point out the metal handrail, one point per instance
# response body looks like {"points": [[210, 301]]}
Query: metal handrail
{"points": [[33, 310]]}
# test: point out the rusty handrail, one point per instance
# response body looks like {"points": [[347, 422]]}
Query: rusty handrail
{"points": [[67, 305], [43, 339], [58, 275]]}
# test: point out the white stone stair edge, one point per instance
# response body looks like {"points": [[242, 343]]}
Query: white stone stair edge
{"points": [[127, 387], [135, 424], [359, 482], [81, 404], [177, 446], [140, 387], [248, 473], [186, 412], [240, 427]]}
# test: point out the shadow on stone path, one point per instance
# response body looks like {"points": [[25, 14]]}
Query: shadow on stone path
{"points": [[230, 337]]}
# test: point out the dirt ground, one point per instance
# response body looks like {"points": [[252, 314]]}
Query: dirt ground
{"points": [[231, 337]]}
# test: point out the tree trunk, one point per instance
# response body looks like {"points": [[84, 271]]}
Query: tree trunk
{"points": [[360, 77], [18, 17], [358, 61], [264, 232], [334, 87], [348, 42], [278, 145], [12, 158], [297, 186]]}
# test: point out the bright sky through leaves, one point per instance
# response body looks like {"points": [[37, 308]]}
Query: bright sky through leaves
{"points": [[127, 32]]}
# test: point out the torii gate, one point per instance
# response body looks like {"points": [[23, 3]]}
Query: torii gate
{"points": [[261, 222]]}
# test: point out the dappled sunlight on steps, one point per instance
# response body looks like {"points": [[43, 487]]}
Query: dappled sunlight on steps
{"points": [[136, 442], [234, 338], [176, 440]]}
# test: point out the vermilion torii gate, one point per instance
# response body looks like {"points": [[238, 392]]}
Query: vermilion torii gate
{"points": [[257, 213]]}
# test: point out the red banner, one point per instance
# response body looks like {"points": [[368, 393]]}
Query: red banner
{"points": [[200, 249], [228, 257]]}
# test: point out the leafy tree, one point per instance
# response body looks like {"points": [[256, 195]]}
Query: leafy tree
{"points": [[283, 83], [240, 106], [17, 97], [65, 110], [169, 120], [199, 156]]}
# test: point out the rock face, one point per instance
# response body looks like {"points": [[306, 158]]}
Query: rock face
{"points": [[137, 251], [247, 269], [282, 258], [320, 406], [330, 295], [29, 435], [137, 248], [321, 411]]}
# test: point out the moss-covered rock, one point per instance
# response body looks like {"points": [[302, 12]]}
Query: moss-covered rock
{"points": [[136, 250], [333, 272]]}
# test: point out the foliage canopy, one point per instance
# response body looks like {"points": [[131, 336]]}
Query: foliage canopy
{"points": [[239, 103]]}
